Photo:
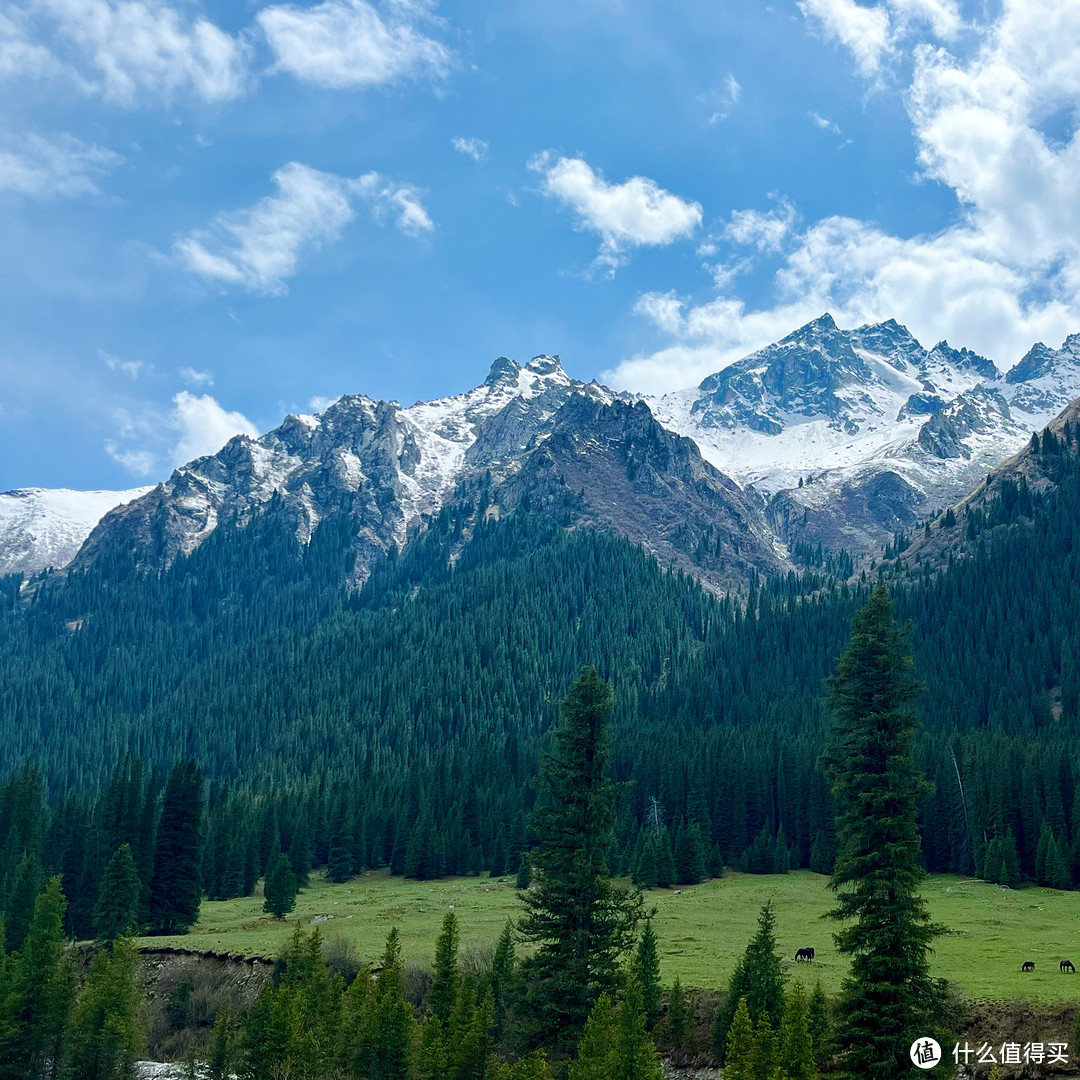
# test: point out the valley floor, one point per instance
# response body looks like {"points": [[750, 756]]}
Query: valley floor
{"points": [[702, 930]]}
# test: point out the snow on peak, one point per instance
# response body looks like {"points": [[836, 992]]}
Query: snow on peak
{"points": [[45, 527]]}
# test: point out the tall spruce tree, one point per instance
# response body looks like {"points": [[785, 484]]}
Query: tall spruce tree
{"points": [[280, 888], [758, 979], [116, 913], [889, 998], [177, 883], [647, 973], [579, 920], [444, 987]]}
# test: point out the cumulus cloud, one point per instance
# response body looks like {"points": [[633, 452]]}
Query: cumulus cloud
{"points": [[260, 248], [127, 51], [475, 148], [1006, 272], [349, 43], [59, 167], [151, 439], [864, 31], [636, 213]]}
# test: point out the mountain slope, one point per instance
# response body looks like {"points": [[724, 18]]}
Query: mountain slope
{"points": [[43, 527], [855, 434], [531, 431]]}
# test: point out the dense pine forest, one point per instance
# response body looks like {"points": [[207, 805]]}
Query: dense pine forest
{"points": [[400, 725]]}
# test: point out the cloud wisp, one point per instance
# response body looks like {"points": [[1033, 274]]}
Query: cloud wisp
{"points": [[62, 166], [636, 213], [259, 249]]}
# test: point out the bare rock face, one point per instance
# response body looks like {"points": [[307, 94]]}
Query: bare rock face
{"points": [[533, 432]]}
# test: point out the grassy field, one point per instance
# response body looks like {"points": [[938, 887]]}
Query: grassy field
{"points": [[702, 931]]}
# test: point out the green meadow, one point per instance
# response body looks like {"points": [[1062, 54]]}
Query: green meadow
{"points": [[702, 930]]}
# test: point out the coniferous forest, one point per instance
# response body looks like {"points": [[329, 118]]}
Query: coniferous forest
{"points": [[245, 715]]}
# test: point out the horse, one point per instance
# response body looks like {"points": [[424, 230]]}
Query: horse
{"points": [[1028, 965], [1067, 966], [805, 954]]}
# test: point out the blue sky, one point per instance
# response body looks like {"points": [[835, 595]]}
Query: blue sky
{"points": [[214, 213]]}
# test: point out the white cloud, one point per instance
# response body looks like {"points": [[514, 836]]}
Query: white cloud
{"points": [[864, 31], [130, 368], [388, 198], [765, 231], [824, 123], [127, 51], [260, 248], [722, 101], [1004, 274], [196, 378], [204, 426], [151, 439], [475, 148], [349, 43], [62, 166], [321, 404], [636, 213], [942, 16]]}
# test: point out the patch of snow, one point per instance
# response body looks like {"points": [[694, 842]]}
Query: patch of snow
{"points": [[45, 527]]}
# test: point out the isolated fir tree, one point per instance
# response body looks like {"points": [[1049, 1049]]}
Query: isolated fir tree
{"points": [[580, 921], [646, 970], [116, 913], [177, 883], [889, 998], [502, 975], [280, 888], [818, 1022], [796, 1043], [758, 979], [739, 1046], [444, 986], [678, 1014]]}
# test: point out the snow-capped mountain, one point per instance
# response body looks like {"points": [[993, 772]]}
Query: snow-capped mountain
{"points": [[526, 430], [42, 527], [851, 435], [838, 437]]}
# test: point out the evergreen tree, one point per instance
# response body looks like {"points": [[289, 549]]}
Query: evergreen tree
{"points": [[34, 1012], [300, 854], [818, 1022], [444, 986], [523, 878], [678, 1018], [758, 979], [597, 1045], [580, 922], [796, 1042], [22, 896], [177, 884], [637, 1056], [389, 1035], [766, 1049], [279, 890], [117, 911], [889, 998], [223, 1036], [502, 975], [105, 1034], [647, 974], [739, 1056]]}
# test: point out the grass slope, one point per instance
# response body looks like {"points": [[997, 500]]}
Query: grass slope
{"points": [[702, 930]]}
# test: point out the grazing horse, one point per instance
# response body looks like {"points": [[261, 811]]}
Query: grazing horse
{"points": [[1028, 965], [1067, 965], [805, 954]]}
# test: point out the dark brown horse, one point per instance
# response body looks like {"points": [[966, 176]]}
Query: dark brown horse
{"points": [[1067, 965], [1028, 965]]}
